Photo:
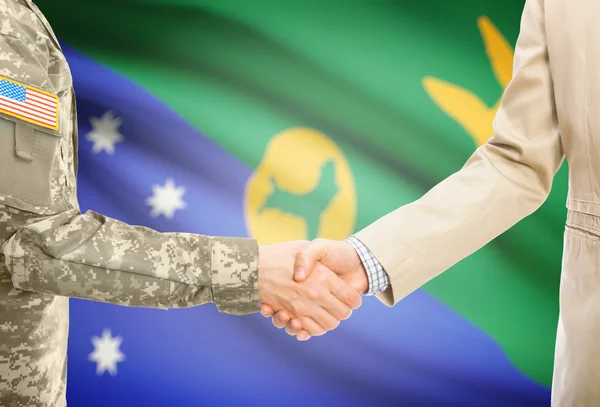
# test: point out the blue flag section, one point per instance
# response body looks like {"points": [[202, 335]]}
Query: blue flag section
{"points": [[142, 163]]}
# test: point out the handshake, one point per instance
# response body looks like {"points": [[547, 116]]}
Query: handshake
{"points": [[309, 287]]}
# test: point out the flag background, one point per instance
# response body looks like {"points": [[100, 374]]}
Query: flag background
{"points": [[256, 110]]}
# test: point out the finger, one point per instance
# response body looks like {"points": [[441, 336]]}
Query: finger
{"points": [[303, 336], [311, 327], [344, 292], [323, 318], [341, 296], [337, 309], [294, 327], [266, 310], [305, 260], [281, 319]]}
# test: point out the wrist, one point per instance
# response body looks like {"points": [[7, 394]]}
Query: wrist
{"points": [[362, 279], [263, 273]]}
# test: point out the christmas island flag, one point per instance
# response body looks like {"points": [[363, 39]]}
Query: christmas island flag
{"points": [[299, 119]]}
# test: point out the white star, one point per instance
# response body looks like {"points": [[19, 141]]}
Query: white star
{"points": [[106, 353], [105, 132], [166, 199]]}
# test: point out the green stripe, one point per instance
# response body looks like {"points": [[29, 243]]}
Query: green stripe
{"points": [[242, 71]]}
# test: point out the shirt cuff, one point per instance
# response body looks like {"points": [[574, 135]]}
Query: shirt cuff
{"points": [[376, 275], [235, 275]]}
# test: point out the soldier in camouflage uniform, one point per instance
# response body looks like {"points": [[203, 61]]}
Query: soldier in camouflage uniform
{"points": [[51, 251]]}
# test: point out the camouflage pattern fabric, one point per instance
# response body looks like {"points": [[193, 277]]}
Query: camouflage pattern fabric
{"points": [[51, 251]]}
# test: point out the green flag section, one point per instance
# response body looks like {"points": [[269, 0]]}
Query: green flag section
{"points": [[379, 99]]}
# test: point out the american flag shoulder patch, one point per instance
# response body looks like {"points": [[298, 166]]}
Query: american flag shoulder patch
{"points": [[29, 104]]}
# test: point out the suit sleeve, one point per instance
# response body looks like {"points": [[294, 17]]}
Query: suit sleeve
{"points": [[94, 257], [505, 180]]}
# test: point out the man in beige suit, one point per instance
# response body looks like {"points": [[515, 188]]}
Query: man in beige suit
{"points": [[550, 109]]}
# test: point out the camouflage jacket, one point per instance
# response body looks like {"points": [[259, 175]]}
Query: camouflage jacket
{"points": [[51, 251]]}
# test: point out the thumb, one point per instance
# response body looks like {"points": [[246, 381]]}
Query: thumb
{"points": [[307, 257]]}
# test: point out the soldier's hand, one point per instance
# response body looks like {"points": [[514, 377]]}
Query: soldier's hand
{"points": [[317, 304]]}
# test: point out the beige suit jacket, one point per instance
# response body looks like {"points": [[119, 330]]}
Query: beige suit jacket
{"points": [[550, 109]]}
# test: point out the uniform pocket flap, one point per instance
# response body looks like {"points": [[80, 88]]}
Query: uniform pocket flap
{"points": [[29, 161], [40, 130]]}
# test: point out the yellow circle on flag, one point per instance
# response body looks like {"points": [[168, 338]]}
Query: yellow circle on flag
{"points": [[302, 189]]}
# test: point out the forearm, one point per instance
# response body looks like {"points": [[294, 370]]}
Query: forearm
{"points": [[460, 215], [94, 257], [505, 180]]}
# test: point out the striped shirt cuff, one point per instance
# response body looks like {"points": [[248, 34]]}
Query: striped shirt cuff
{"points": [[378, 278]]}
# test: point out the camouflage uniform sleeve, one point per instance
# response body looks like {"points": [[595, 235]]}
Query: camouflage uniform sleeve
{"points": [[52, 247], [94, 257]]}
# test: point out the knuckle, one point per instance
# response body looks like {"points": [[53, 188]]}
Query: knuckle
{"points": [[351, 297], [331, 325], [319, 242], [313, 328], [359, 301], [312, 294], [322, 278], [295, 325], [319, 332]]}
